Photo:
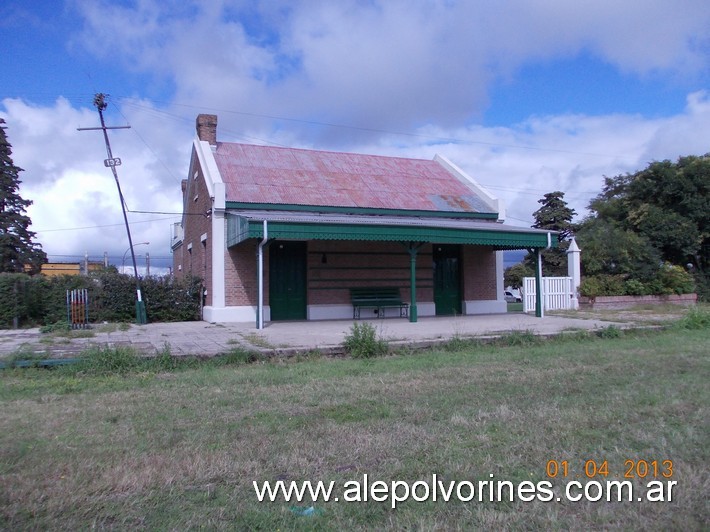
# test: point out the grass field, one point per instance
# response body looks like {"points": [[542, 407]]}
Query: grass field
{"points": [[142, 447]]}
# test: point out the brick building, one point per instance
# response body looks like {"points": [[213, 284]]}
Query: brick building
{"points": [[280, 233]]}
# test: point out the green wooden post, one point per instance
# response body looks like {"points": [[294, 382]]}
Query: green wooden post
{"points": [[539, 312], [413, 249]]}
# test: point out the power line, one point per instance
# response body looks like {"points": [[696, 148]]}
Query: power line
{"points": [[368, 129], [100, 226], [179, 118], [149, 147]]}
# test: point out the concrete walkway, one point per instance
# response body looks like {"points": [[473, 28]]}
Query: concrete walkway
{"points": [[200, 338]]}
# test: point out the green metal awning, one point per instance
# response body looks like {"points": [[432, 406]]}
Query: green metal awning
{"points": [[243, 225]]}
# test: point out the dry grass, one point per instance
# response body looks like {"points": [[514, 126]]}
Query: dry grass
{"points": [[180, 450], [647, 314]]}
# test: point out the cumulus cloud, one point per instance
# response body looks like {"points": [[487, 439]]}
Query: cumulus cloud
{"points": [[65, 177], [571, 153], [76, 205], [277, 71], [393, 64]]}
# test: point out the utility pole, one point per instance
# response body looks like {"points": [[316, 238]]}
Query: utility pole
{"points": [[112, 163]]}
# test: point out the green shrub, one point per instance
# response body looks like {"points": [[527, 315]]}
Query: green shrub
{"points": [[237, 357], [696, 318], [363, 342], [170, 299], [669, 279], [164, 359], [612, 331], [519, 338], [602, 285], [702, 285], [458, 343], [40, 300], [60, 326], [675, 280], [107, 361], [13, 304], [632, 287]]}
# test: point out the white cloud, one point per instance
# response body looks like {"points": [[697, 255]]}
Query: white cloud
{"points": [[76, 204], [571, 153], [65, 177], [391, 65], [424, 68]]}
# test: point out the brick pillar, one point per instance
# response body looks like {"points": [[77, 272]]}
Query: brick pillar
{"points": [[206, 126]]}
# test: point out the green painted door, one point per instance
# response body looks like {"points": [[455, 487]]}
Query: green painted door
{"points": [[287, 280], [447, 280]]}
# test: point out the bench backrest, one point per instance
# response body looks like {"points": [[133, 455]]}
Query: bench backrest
{"points": [[375, 294]]}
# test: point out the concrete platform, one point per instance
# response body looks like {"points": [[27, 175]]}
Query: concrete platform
{"points": [[200, 338]]}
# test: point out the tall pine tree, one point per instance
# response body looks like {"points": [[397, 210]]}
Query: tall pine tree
{"points": [[554, 215], [17, 250]]}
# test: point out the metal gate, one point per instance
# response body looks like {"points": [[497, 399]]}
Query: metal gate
{"points": [[78, 308]]}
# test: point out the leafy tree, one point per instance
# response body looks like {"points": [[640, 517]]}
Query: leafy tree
{"points": [[611, 250], [554, 215], [513, 275], [17, 249], [665, 206]]}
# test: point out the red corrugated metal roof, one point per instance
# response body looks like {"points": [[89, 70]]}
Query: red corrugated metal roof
{"points": [[265, 174]]}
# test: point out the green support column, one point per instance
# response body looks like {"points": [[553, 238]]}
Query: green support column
{"points": [[539, 312], [413, 249]]}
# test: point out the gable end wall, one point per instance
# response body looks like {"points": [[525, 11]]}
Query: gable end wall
{"points": [[194, 255]]}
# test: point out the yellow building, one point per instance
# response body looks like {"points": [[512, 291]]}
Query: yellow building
{"points": [[68, 268]]}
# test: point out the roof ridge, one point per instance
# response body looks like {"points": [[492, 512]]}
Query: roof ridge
{"points": [[321, 150]]}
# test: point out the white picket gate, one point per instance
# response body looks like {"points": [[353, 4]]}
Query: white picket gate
{"points": [[556, 293]]}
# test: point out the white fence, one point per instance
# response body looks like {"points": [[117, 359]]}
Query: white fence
{"points": [[556, 293]]}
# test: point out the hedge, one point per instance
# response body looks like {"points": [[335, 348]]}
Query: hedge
{"points": [[669, 279], [39, 300]]}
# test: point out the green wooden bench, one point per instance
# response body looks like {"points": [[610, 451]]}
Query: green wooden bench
{"points": [[378, 298]]}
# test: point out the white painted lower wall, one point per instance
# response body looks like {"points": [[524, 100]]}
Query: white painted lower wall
{"points": [[345, 312], [492, 306], [330, 312], [426, 309], [243, 314], [247, 314]]}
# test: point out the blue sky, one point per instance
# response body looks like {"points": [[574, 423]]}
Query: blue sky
{"points": [[527, 97]]}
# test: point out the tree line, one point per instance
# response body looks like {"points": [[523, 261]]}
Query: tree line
{"points": [[646, 232]]}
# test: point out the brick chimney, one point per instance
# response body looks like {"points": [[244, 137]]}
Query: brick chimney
{"points": [[207, 128]]}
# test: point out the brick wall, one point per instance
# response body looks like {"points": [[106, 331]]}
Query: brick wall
{"points": [[336, 266], [479, 277], [194, 256], [347, 265], [241, 275]]}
